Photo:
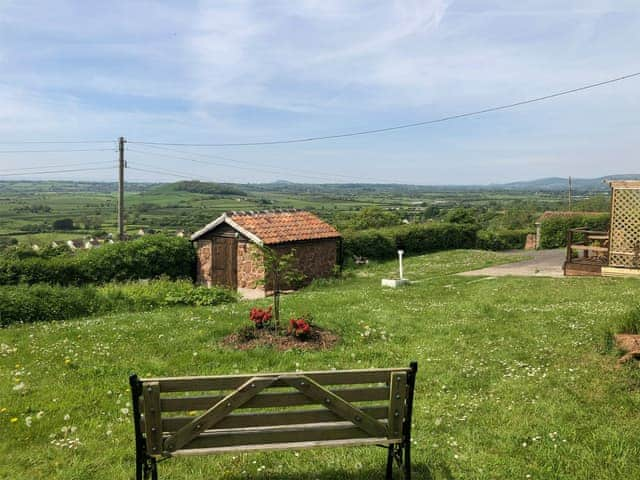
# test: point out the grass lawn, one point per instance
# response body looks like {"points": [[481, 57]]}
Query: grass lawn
{"points": [[512, 384]]}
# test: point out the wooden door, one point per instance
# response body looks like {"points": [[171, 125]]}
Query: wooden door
{"points": [[224, 270]]}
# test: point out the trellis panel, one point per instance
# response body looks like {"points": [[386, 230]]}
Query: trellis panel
{"points": [[624, 243]]}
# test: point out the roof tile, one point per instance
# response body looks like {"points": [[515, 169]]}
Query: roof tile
{"points": [[287, 226]]}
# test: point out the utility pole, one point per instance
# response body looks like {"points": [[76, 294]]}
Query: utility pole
{"points": [[121, 166], [570, 195]]}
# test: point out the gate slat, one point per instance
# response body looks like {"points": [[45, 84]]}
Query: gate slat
{"points": [[246, 420], [267, 400], [151, 395], [229, 382], [251, 436], [397, 402]]}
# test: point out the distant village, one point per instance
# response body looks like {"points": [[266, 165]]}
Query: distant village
{"points": [[93, 241]]}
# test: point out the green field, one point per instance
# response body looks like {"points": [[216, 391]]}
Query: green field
{"points": [[514, 382], [28, 209]]}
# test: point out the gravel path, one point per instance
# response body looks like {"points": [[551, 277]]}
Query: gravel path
{"points": [[543, 263]]}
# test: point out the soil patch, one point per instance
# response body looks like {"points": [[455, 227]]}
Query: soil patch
{"points": [[630, 344], [252, 338]]}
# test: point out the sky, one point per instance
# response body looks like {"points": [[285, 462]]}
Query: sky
{"points": [[247, 71]]}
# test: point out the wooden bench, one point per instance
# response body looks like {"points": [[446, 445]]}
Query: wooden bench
{"points": [[355, 407]]}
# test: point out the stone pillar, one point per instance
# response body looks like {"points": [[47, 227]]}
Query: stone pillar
{"points": [[538, 235]]}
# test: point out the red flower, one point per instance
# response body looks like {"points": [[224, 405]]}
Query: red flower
{"points": [[260, 317], [299, 327]]}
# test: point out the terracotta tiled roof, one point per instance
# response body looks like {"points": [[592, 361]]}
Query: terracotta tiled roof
{"points": [[551, 214], [287, 226], [271, 227]]}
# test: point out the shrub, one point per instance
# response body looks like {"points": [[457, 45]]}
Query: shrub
{"points": [[6, 242], [501, 239], [144, 258], [63, 224], [370, 243], [45, 302], [414, 239], [41, 302], [553, 230]]}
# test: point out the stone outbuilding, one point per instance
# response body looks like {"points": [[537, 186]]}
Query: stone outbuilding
{"points": [[229, 248]]}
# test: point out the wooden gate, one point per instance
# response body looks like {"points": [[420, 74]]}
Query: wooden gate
{"points": [[624, 243], [224, 269]]}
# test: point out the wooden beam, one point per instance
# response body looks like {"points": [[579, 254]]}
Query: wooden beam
{"points": [[272, 419], [337, 405], [397, 403], [228, 382], [275, 399], [152, 418]]}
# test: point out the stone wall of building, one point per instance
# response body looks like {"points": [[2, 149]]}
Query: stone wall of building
{"points": [[316, 259], [250, 265], [203, 249]]}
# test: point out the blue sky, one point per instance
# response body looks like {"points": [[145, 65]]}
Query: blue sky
{"points": [[209, 72]]}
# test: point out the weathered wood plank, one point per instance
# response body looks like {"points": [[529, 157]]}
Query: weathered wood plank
{"points": [[289, 446], [295, 417], [153, 423], [290, 434], [279, 399], [216, 413], [397, 399], [337, 405], [228, 382]]}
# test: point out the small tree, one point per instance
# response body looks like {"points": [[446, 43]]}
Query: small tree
{"points": [[63, 224], [280, 269]]}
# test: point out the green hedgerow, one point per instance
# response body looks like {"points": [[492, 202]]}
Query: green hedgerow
{"points": [[42, 302], [145, 258]]}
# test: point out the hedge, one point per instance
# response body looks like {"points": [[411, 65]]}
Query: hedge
{"points": [[553, 230], [148, 257], [43, 302], [501, 239], [383, 243]]}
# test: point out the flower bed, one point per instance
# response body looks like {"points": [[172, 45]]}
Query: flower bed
{"points": [[300, 333]]}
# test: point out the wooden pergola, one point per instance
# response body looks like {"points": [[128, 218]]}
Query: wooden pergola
{"points": [[612, 253]]}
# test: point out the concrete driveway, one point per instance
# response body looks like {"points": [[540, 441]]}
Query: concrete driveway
{"points": [[543, 263]]}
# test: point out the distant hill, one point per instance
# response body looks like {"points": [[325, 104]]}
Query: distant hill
{"points": [[207, 188], [559, 183], [550, 184]]}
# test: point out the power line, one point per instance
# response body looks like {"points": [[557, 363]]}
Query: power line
{"points": [[55, 171], [178, 175], [162, 169], [39, 167], [60, 151], [254, 169], [311, 172], [51, 142], [403, 126]]}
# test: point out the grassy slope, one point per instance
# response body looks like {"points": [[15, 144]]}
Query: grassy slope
{"points": [[510, 384]]}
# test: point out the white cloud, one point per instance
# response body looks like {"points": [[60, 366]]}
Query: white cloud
{"points": [[240, 70]]}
